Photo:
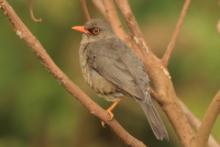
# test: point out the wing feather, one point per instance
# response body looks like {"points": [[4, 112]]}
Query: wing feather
{"points": [[115, 61]]}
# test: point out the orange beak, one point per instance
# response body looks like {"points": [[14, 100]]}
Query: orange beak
{"points": [[80, 29]]}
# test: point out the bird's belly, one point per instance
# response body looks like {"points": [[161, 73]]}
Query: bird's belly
{"points": [[101, 86]]}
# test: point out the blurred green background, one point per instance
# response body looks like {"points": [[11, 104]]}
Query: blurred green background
{"points": [[35, 111]]}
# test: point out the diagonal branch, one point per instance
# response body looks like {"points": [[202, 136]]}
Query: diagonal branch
{"points": [[132, 24], [166, 57], [112, 16], [23, 32], [209, 119]]}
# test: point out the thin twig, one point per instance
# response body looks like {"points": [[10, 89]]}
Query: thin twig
{"points": [[195, 122], [209, 119], [23, 32], [33, 17], [166, 57], [85, 9], [218, 26]]}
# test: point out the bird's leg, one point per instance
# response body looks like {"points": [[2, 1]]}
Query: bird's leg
{"points": [[109, 110]]}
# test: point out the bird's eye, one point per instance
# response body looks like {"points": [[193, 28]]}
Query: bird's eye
{"points": [[95, 30]]}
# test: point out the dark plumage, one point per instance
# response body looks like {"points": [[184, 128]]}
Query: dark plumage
{"points": [[113, 70]]}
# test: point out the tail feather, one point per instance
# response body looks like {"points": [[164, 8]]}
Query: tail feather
{"points": [[154, 120]]}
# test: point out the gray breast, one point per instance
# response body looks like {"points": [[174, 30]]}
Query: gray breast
{"points": [[100, 85]]}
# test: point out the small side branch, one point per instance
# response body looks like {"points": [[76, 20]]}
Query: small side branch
{"points": [[166, 57], [204, 130], [218, 26], [195, 123], [33, 17], [85, 9], [24, 33]]}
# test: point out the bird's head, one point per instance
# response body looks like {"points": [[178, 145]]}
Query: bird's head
{"points": [[95, 29]]}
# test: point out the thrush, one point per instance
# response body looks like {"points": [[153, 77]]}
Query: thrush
{"points": [[114, 71]]}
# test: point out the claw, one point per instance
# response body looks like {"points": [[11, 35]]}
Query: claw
{"points": [[111, 116], [109, 111]]}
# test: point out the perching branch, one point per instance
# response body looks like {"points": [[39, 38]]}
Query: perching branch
{"points": [[23, 32], [85, 9], [205, 129], [171, 45]]}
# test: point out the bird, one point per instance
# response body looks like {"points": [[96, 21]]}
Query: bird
{"points": [[113, 71]]}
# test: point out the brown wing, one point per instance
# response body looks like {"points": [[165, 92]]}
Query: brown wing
{"points": [[115, 62]]}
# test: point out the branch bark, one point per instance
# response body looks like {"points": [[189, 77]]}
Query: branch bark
{"points": [[166, 57], [23, 32], [205, 129], [133, 25]]}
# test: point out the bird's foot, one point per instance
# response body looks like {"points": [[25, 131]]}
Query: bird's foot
{"points": [[109, 110], [111, 116]]}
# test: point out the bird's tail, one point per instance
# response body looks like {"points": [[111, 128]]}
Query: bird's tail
{"points": [[154, 119]]}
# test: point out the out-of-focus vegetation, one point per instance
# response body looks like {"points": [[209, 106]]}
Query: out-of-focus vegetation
{"points": [[35, 111]]}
